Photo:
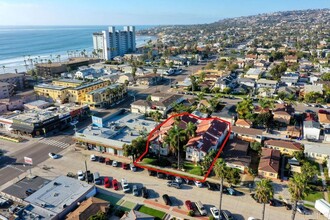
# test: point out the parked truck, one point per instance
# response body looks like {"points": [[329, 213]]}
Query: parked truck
{"points": [[323, 206]]}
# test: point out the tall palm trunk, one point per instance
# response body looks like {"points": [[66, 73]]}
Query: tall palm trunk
{"points": [[263, 211], [178, 152], [221, 189], [294, 210]]}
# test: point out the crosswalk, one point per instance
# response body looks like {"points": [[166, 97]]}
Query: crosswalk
{"points": [[55, 143]]}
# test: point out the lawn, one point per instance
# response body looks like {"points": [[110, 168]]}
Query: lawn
{"points": [[153, 212], [314, 196], [193, 169], [149, 160], [113, 200]]}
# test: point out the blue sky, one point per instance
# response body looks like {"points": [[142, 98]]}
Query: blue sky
{"points": [[139, 12]]}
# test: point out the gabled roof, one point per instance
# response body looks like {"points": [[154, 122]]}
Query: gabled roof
{"points": [[324, 118], [243, 122], [235, 152], [246, 131], [270, 160], [284, 144], [87, 208]]}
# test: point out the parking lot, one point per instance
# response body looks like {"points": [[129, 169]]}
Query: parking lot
{"points": [[240, 206]]}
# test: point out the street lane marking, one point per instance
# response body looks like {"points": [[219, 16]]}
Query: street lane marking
{"points": [[16, 168]]}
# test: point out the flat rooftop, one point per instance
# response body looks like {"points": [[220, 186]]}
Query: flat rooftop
{"points": [[69, 80], [10, 75], [59, 193], [102, 90], [37, 103], [18, 189], [50, 86], [87, 85], [119, 128]]}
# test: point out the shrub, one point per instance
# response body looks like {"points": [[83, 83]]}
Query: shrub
{"points": [[191, 213]]}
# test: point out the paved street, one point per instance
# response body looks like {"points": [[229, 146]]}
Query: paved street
{"points": [[72, 161]]}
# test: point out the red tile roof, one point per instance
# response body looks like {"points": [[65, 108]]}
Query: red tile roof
{"points": [[284, 144], [270, 160]]}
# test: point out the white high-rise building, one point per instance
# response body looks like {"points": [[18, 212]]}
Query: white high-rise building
{"points": [[111, 43]]}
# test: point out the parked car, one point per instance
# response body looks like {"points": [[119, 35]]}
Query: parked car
{"points": [[178, 179], [188, 181], [114, 163], [93, 157], [167, 199], [303, 210], [215, 212], [29, 192], [231, 191], [135, 190], [152, 173], [115, 184], [145, 193], [53, 155], [189, 205], [125, 185], [160, 175], [124, 166], [227, 215], [132, 167], [81, 175], [107, 161], [97, 178], [101, 159], [275, 202], [211, 186], [174, 184], [106, 182], [170, 177], [201, 208], [198, 184], [89, 176]]}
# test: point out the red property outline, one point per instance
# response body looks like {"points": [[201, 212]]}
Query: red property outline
{"points": [[176, 174]]}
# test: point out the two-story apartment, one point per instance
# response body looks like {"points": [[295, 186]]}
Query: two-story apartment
{"points": [[269, 164], [285, 147]]}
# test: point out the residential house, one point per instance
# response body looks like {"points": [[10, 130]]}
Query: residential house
{"points": [[311, 130], [282, 116], [235, 154], [254, 73], [312, 88], [84, 71], [291, 59], [225, 82], [243, 123], [148, 80], [160, 102], [269, 164], [290, 79], [293, 132], [125, 78], [324, 118], [89, 207], [326, 135], [317, 152], [247, 134], [251, 57], [136, 215], [247, 82], [285, 147], [266, 83], [210, 134]]}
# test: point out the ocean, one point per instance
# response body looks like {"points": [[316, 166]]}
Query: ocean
{"points": [[47, 42]]}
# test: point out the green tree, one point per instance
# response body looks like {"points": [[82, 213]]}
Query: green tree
{"points": [[312, 97], [134, 72], [264, 192], [297, 188], [156, 116], [209, 66], [227, 90], [256, 146], [263, 120], [190, 130], [233, 177], [175, 137], [245, 108], [220, 170], [309, 170], [98, 216], [325, 77]]}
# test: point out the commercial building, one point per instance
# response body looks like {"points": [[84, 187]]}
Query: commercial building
{"points": [[111, 43], [38, 122], [56, 68], [110, 134], [78, 94], [6, 90], [57, 198], [16, 80]]}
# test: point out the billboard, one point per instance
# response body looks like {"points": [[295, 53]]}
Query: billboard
{"points": [[28, 160], [97, 121]]}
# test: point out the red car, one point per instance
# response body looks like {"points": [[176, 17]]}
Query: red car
{"points": [[115, 184], [106, 182], [189, 205], [124, 166]]}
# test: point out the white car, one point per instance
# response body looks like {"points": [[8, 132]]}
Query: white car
{"points": [[81, 175], [93, 157], [114, 163], [198, 184], [215, 212], [125, 185], [132, 167], [53, 155]]}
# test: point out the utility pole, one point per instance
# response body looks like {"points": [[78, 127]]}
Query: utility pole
{"points": [[86, 174]]}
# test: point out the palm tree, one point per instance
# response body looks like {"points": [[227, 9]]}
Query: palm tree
{"points": [[264, 192], [191, 129], [220, 170], [297, 188], [175, 135]]}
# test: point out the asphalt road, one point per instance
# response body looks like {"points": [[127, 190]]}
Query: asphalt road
{"points": [[11, 166]]}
